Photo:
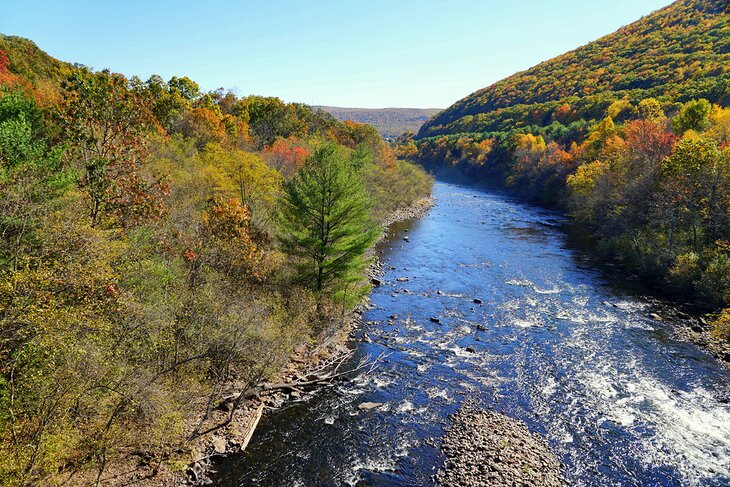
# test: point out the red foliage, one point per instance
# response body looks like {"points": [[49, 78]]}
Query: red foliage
{"points": [[6, 76], [287, 155], [649, 140]]}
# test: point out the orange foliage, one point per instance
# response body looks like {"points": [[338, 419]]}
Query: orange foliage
{"points": [[287, 155], [205, 125], [233, 249]]}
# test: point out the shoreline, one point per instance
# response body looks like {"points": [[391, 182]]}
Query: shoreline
{"points": [[200, 456]]}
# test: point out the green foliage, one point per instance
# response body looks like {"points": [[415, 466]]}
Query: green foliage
{"points": [[693, 116], [650, 109], [139, 280], [326, 223], [31, 175]]}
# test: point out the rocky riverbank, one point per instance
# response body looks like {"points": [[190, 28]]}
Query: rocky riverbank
{"points": [[692, 328], [485, 448], [412, 212], [235, 439]]}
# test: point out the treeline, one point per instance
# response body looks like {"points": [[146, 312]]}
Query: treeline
{"points": [[161, 247], [654, 189], [390, 122], [676, 54]]}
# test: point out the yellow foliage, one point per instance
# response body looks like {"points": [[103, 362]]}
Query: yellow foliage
{"points": [[720, 125], [721, 325], [584, 179], [245, 175]]}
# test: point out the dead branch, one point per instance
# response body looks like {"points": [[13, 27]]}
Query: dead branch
{"points": [[364, 364]]}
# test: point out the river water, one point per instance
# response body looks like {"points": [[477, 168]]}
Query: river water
{"points": [[569, 349]]}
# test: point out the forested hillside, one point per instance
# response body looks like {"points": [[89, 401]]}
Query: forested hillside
{"points": [[162, 248], [677, 54], [630, 134], [390, 122]]}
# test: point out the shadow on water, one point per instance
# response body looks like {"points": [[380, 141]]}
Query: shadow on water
{"points": [[570, 349]]}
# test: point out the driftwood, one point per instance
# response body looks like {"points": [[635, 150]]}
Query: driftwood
{"points": [[313, 378], [252, 426]]}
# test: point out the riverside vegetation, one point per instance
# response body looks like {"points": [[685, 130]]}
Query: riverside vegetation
{"points": [[630, 134], [161, 247]]}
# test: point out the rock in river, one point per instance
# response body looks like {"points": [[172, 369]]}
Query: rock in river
{"points": [[367, 406]]}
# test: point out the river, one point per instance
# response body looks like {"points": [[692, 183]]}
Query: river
{"points": [[568, 348]]}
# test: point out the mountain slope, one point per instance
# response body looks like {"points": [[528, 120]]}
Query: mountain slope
{"points": [[677, 53], [390, 122], [22, 61]]}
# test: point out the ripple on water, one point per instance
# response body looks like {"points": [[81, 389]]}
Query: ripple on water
{"points": [[577, 360]]}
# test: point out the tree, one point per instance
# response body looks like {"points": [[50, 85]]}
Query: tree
{"points": [[187, 88], [650, 109], [107, 124], [325, 221], [246, 175], [696, 189], [693, 116], [270, 118], [287, 155], [31, 174]]}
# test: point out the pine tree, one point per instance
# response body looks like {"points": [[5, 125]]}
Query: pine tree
{"points": [[326, 223]]}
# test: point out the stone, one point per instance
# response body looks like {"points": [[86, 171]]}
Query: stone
{"points": [[376, 282], [402, 279], [478, 301], [435, 319], [219, 444], [367, 406]]}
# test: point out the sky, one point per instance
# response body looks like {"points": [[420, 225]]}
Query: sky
{"points": [[369, 54]]}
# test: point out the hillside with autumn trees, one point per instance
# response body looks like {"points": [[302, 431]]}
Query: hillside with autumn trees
{"points": [[162, 248], [630, 134], [676, 54]]}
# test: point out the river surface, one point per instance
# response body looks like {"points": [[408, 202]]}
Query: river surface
{"points": [[565, 347]]}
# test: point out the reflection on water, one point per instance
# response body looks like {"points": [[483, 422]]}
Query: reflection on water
{"points": [[552, 343]]}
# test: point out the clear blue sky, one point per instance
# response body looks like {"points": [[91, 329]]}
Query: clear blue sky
{"points": [[368, 53]]}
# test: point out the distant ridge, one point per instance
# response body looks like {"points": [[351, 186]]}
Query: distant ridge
{"points": [[390, 122]]}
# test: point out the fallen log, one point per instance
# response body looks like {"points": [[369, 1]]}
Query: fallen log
{"points": [[252, 426]]}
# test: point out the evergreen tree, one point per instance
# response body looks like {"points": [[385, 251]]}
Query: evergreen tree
{"points": [[326, 222]]}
